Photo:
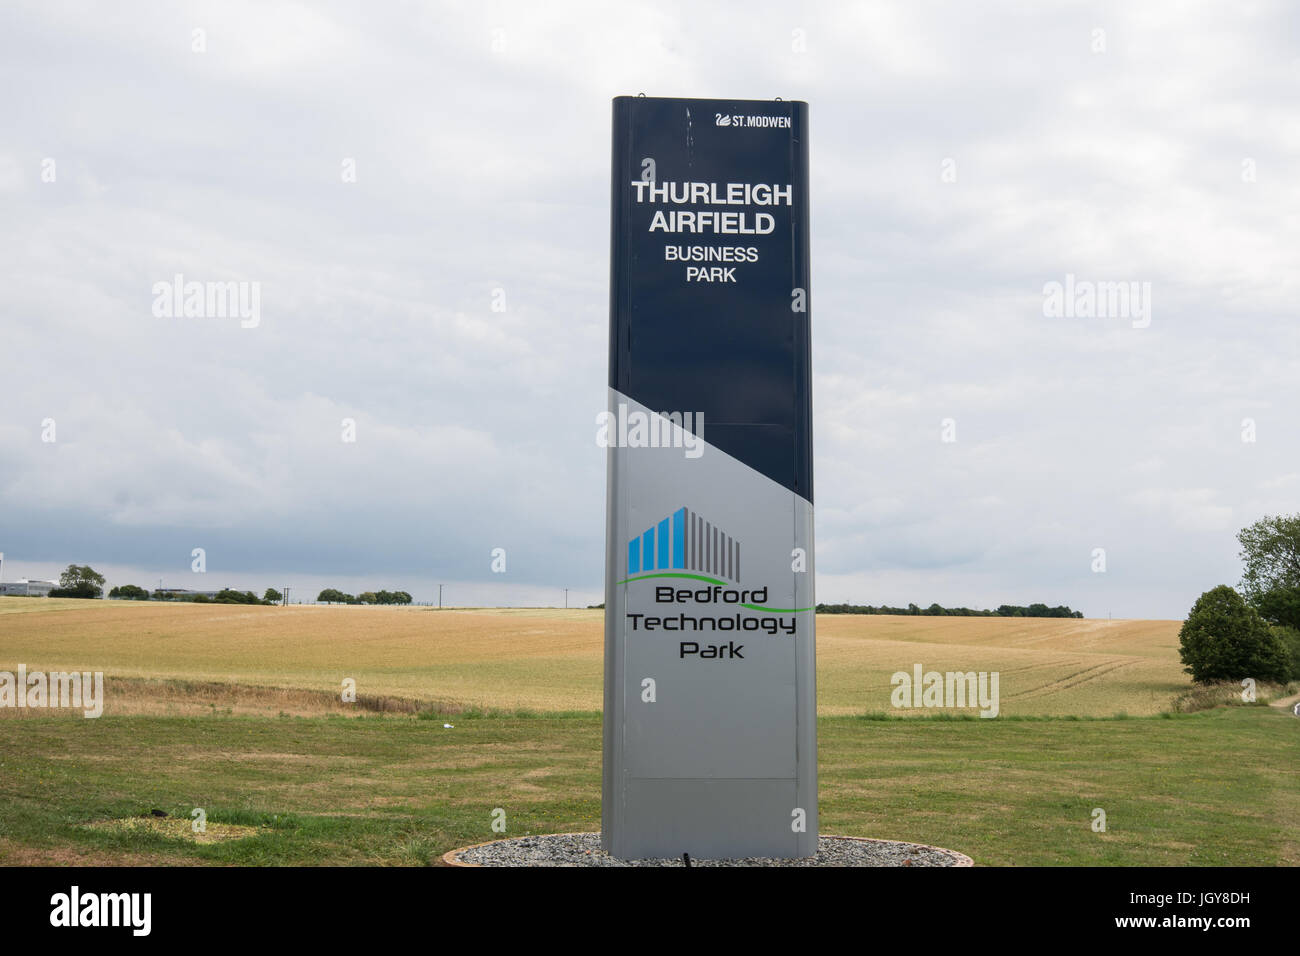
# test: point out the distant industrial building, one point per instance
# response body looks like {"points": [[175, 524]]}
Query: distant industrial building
{"points": [[184, 594], [25, 588]]}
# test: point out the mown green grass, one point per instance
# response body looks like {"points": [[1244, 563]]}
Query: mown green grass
{"points": [[1218, 787]]}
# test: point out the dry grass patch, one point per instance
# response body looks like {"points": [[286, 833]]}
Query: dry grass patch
{"points": [[18, 854], [293, 659], [1228, 693], [134, 696], [174, 828]]}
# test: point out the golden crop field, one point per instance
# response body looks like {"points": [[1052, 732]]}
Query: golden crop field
{"points": [[295, 658]]}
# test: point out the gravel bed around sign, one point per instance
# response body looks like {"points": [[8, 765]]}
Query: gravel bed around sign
{"points": [[583, 849]]}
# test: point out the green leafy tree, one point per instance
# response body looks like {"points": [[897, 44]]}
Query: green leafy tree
{"points": [[1289, 637], [129, 592], [272, 596], [79, 580], [1280, 606], [1270, 549], [1225, 639], [231, 596]]}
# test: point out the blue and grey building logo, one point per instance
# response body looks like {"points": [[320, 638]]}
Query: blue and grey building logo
{"points": [[684, 542]]}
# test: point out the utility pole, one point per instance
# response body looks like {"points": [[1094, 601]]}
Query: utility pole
{"points": [[566, 599], [440, 597]]}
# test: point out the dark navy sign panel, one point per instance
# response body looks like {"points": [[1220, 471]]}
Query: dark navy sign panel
{"points": [[735, 351]]}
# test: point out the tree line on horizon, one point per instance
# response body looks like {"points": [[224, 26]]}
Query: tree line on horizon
{"points": [[335, 596], [937, 610], [83, 581], [133, 592]]}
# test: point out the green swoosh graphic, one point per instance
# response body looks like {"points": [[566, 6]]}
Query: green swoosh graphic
{"points": [[700, 577], [669, 574]]}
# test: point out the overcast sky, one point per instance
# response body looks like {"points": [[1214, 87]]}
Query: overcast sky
{"points": [[1115, 142]]}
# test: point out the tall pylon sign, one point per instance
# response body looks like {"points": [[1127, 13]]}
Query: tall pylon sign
{"points": [[710, 689]]}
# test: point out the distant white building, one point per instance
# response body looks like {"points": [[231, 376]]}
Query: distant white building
{"points": [[184, 594], [25, 588]]}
